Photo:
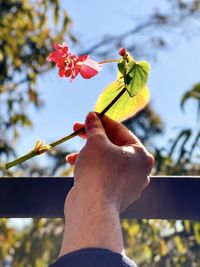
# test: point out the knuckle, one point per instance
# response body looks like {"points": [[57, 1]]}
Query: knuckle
{"points": [[146, 157], [150, 160]]}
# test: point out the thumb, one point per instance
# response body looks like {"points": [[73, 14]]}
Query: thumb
{"points": [[94, 127]]}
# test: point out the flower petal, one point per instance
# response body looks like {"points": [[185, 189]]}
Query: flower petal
{"points": [[75, 72], [82, 58], [54, 56], [89, 68], [62, 72], [62, 47]]}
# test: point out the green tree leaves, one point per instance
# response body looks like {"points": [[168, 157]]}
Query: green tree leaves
{"points": [[194, 93]]}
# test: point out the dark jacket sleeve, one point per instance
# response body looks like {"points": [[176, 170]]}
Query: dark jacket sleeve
{"points": [[93, 257]]}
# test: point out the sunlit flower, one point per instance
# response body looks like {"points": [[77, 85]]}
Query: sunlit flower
{"points": [[70, 65]]}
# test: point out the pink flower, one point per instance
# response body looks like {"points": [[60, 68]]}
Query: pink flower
{"points": [[70, 65]]}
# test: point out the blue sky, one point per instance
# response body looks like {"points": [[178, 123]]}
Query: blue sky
{"points": [[176, 70]]}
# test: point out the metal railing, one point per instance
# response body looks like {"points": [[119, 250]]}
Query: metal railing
{"points": [[168, 197]]}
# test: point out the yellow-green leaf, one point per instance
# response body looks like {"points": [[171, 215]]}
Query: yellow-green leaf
{"points": [[197, 232], [126, 106]]}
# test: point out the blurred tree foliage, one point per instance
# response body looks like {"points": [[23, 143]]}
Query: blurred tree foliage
{"points": [[165, 243], [26, 37], [27, 31]]}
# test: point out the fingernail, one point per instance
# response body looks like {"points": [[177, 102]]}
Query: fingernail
{"points": [[91, 117]]}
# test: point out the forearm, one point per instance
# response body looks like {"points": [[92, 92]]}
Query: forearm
{"points": [[91, 222]]}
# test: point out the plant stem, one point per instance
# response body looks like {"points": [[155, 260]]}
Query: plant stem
{"points": [[108, 61], [34, 153], [21, 159], [111, 103]]}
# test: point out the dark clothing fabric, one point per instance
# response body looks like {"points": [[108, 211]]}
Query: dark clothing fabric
{"points": [[93, 257]]}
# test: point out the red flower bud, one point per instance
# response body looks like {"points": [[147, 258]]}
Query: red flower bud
{"points": [[122, 52]]}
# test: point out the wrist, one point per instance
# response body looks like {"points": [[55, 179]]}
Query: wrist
{"points": [[94, 190], [91, 222], [82, 198]]}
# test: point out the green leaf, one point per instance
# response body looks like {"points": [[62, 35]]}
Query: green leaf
{"points": [[136, 76], [66, 21], [126, 106], [193, 93], [21, 119], [197, 232], [56, 11], [120, 74], [121, 66]]}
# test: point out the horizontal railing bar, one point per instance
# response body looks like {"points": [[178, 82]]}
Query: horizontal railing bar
{"points": [[167, 197]]}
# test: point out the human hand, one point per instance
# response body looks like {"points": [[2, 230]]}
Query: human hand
{"points": [[113, 166], [110, 173]]}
